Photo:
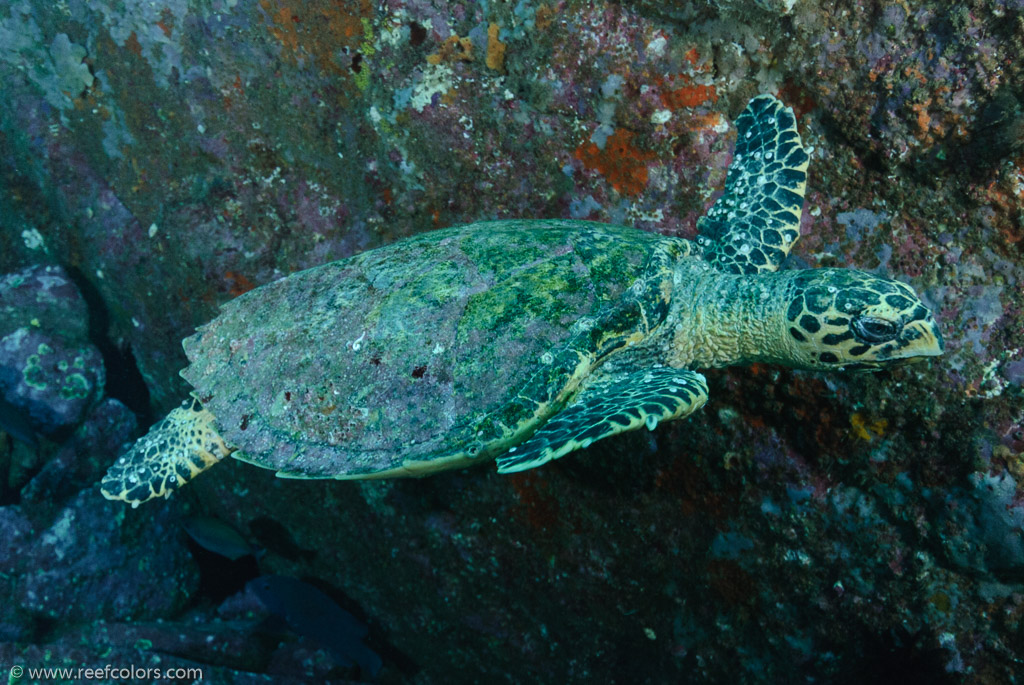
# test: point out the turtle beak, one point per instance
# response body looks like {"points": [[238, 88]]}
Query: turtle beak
{"points": [[924, 339], [920, 339]]}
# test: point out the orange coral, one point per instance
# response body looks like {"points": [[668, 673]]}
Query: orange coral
{"points": [[688, 95], [453, 49], [317, 28], [622, 163], [495, 49], [544, 17], [239, 283], [867, 429]]}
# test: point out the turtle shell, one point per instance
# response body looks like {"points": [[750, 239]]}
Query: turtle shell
{"points": [[421, 355]]}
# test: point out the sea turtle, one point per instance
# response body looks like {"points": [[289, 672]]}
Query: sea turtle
{"points": [[521, 340]]}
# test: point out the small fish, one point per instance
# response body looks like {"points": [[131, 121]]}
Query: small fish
{"points": [[15, 422], [311, 613], [214, 535]]}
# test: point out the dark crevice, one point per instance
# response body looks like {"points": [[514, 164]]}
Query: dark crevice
{"points": [[44, 629], [124, 380], [220, 577], [837, 130]]}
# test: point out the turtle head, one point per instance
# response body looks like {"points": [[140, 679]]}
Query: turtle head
{"points": [[844, 319]]}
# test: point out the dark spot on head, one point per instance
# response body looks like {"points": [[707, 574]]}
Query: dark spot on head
{"points": [[287, 397], [836, 338], [375, 360], [419, 371], [829, 357], [859, 350], [898, 301], [855, 299], [797, 334], [245, 421], [809, 324], [795, 307], [417, 34], [818, 300], [357, 63]]}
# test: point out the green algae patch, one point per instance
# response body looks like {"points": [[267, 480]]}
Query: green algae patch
{"points": [[76, 386], [33, 373]]}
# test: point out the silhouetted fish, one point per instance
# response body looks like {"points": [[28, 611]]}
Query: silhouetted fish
{"points": [[313, 614], [216, 536], [15, 422]]}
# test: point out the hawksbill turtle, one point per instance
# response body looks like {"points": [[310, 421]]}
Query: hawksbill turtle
{"points": [[521, 340]]}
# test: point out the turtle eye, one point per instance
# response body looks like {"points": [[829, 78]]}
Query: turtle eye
{"points": [[872, 330]]}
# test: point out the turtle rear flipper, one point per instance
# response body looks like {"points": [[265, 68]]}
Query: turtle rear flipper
{"points": [[173, 452], [619, 404], [753, 225]]}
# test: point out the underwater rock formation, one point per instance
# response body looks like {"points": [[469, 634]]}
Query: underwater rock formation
{"points": [[844, 528], [48, 368]]}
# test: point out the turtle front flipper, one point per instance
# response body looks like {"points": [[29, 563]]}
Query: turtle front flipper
{"points": [[174, 451], [753, 225], [607, 407]]}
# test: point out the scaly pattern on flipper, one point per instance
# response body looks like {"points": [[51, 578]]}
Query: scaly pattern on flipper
{"points": [[753, 225], [173, 452], [608, 407]]}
